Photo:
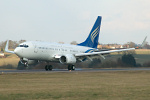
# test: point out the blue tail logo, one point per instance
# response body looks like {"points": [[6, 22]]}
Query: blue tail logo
{"points": [[94, 34], [92, 39]]}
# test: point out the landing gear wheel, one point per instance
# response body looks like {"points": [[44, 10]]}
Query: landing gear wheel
{"points": [[71, 67], [48, 67]]}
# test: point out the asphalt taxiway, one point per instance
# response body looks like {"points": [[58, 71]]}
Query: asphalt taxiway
{"points": [[77, 70]]}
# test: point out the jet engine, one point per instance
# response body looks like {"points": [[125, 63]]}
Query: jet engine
{"points": [[68, 59]]}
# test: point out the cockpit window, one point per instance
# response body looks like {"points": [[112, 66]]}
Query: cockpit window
{"points": [[20, 46], [24, 45]]}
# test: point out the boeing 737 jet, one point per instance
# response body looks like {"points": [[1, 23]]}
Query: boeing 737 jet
{"points": [[34, 51]]}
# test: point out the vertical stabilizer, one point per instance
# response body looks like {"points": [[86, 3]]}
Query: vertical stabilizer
{"points": [[92, 39], [144, 42]]}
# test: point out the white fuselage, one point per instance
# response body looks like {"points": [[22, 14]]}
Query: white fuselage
{"points": [[36, 50]]}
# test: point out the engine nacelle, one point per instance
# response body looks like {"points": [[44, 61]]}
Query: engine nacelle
{"points": [[68, 59]]}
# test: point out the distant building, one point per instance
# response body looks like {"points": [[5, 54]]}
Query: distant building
{"points": [[99, 46], [61, 42], [110, 46]]}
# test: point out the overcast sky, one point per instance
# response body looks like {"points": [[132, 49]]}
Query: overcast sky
{"points": [[71, 20]]}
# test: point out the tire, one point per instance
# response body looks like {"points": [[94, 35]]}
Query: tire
{"points": [[46, 67], [71, 67], [50, 67]]}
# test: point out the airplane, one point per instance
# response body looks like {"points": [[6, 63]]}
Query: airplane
{"points": [[34, 51]]}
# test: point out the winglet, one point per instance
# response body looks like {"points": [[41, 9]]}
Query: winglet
{"points": [[6, 48]]}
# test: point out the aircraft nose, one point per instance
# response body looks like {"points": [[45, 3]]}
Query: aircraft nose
{"points": [[17, 51]]}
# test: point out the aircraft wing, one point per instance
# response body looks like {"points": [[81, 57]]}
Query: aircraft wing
{"points": [[102, 52]]}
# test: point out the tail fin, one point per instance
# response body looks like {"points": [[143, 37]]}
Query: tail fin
{"points": [[92, 39], [144, 42]]}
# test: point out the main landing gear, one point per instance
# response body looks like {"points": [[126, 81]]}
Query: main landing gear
{"points": [[48, 67], [71, 67]]}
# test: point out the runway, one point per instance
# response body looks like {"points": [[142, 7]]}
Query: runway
{"points": [[77, 70]]}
